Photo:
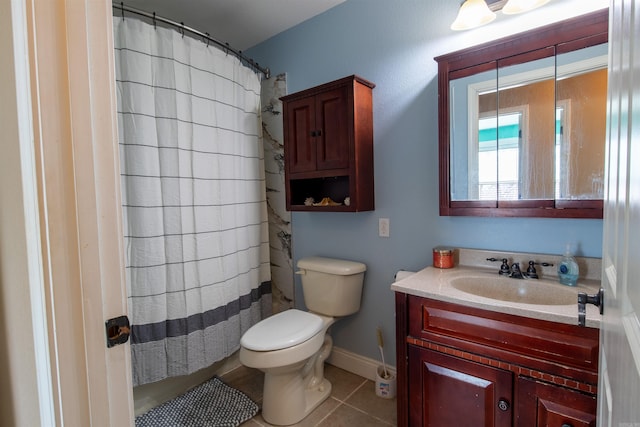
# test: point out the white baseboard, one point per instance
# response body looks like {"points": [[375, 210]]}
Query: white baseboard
{"points": [[356, 364]]}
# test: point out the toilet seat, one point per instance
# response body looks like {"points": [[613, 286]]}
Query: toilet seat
{"points": [[282, 330]]}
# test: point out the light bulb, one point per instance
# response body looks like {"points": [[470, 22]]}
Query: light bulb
{"points": [[472, 14]]}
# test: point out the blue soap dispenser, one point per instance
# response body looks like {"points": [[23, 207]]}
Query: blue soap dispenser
{"points": [[568, 270]]}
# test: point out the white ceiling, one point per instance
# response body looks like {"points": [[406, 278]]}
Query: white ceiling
{"points": [[241, 23]]}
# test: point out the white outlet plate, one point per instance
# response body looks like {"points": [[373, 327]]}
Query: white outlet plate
{"points": [[383, 227]]}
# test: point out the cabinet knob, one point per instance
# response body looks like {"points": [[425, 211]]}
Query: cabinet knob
{"points": [[567, 425], [313, 133], [503, 404]]}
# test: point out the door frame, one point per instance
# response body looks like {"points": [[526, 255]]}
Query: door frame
{"points": [[73, 103], [24, 360]]}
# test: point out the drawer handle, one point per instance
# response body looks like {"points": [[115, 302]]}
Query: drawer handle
{"points": [[503, 404]]}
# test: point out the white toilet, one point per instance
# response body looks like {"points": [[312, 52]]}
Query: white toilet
{"points": [[291, 347]]}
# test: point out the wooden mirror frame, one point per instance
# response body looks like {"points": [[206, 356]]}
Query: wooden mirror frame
{"points": [[572, 34]]}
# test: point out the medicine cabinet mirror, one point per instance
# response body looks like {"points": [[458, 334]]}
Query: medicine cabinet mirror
{"points": [[522, 123]]}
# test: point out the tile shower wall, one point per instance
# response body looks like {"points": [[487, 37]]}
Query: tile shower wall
{"points": [[282, 282]]}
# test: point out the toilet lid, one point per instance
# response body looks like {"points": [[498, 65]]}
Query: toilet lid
{"points": [[282, 330]]}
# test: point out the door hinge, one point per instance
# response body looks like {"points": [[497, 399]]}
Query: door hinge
{"points": [[117, 330]]}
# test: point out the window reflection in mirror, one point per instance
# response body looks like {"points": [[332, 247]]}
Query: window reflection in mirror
{"points": [[499, 149], [529, 87], [532, 129]]}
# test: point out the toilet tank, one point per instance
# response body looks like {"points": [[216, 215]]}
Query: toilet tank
{"points": [[332, 287]]}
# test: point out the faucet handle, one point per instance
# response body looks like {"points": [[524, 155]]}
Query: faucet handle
{"points": [[531, 271], [544, 264], [504, 268]]}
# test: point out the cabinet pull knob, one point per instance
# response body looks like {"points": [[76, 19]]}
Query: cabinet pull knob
{"points": [[567, 425], [313, 133], [503, 404]]}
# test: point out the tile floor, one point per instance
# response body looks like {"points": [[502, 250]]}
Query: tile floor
{"points": [[353, 401]]}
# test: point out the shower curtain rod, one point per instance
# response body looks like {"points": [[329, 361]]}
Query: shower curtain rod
{"points": [[181, 27]]}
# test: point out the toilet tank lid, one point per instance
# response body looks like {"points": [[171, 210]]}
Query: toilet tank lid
{"points": [[332, 266], [282, 330]]}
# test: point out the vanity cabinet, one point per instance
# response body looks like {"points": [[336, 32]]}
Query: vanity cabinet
{"points": [[328, 146], [448, 391], [541, 404], [465, 366]]}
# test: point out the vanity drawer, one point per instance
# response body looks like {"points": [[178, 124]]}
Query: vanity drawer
{"points": [[559, 349]]}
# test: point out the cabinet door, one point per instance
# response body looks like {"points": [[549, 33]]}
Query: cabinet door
{"points": [[545, 405], [333, 129], [300, 146], [447, 391]]}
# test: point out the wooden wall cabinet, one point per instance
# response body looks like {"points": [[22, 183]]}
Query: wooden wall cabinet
{"points": [[328, 146], [470, 367]]}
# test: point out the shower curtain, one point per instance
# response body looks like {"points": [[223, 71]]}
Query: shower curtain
{"points": [[193, 189]]}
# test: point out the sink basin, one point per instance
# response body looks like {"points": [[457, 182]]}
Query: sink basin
{"points": [[526, 291]]}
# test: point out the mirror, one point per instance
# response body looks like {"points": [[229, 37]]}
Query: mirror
{"points": [[581, 100], [525, 123]]}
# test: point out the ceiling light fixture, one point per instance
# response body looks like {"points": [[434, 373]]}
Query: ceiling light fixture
{"points": [[474, 13], [518, 6]]}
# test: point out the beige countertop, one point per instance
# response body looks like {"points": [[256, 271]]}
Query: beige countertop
{"points": [[437, 284]]}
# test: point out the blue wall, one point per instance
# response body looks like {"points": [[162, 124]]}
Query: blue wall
{"points": [[393, 43]]}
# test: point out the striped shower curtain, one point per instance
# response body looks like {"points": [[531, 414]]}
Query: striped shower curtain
{"points": [[193, 189]]}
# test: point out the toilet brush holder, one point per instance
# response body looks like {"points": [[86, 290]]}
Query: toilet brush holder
{"points": [[385, 386]]}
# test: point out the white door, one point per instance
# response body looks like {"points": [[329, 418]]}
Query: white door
{"points": [[619, 387], [73, 102]]}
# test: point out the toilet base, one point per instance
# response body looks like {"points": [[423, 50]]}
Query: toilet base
{"points": [[293, 388], [292, 401], [292, 392]]}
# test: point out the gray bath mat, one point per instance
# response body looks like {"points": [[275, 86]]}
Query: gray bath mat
{"points": [[211, 404]]}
